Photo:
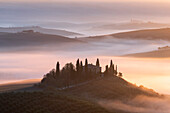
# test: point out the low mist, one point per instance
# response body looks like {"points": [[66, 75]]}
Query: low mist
{"points": [[140, 104]]}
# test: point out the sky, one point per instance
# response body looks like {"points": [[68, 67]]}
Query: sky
{"points": [[85, 1], [21, 13]]}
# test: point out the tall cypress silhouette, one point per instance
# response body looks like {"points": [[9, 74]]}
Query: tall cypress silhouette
{"points": [[78, 66], [57, 69], [81, 67], [113, 69], [116, 70], [97, 63], [111, 64], [106, 71], [86, 66], [81, 64]]}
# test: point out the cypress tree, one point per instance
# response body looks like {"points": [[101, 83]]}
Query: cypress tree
{"points": [[113, 69], [86, 66], [58, 69], [81, 67], [81, 64], [77, 65], [111, 64], [106, 71], [86, 62], [116, 70], [97, 63]]}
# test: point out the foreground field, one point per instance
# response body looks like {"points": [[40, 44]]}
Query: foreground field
{"points": [[41, 102]]}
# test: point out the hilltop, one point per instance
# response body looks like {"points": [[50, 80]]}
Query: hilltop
{"points": [[88, 81]]}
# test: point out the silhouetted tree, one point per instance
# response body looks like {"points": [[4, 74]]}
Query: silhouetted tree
{"points": [[97, 63], [120, 74], [81, 64], [81, 67], [77, 66], [116, 72], [113, 69], [111, 64], [86, 66], [52, 73], [57, 69], [106, 71], [68, 73]]}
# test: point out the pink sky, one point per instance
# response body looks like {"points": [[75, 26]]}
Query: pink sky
{"points": [[85, 0]]}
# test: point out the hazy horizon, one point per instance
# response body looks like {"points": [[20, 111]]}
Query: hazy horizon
{"points": [[33, 13]]}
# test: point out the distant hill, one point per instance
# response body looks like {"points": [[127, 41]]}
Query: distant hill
{"points": [[148, 34], [152, 54], [131, 26], [68, 25], [39, 29], [34, 40]]}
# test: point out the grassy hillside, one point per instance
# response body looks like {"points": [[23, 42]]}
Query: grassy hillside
{"points": [[110, 88], [159, 34], [39, 102]]}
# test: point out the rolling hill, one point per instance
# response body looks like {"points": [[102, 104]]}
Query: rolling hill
{"points": [[151, 54], [82, 98], [39, 29], [148, 34], [33, 41], [130, 26]]}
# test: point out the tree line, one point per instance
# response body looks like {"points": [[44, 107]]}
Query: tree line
{"points": [[72, 75]]}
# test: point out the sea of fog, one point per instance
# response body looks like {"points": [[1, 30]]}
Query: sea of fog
{"points": [[152, 73]]}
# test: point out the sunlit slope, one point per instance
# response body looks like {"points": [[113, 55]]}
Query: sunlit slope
{"points": [[39, 102], [110, 88]]}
